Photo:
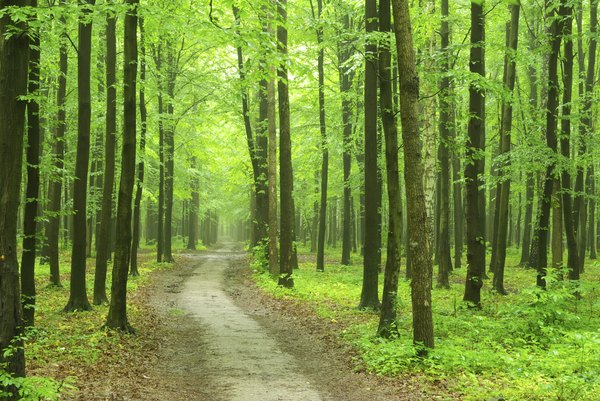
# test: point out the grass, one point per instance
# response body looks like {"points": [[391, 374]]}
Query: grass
{"points": [[529, 345]]}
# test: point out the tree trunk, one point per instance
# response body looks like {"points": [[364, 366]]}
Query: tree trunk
{"points": [[387, 318], [103, 240], [502, 202], [566, 12], [33, 184], [160, 243], [445, 125], [117, 313], [286, 185], [14, 54], [137, 209], [474, 165], [418, 229], [55, 187], [369, 296], [169, 153], [541, 256], [192, 227], [78, 293]]}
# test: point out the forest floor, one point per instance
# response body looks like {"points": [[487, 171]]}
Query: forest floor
{"points": [[215, 336]]}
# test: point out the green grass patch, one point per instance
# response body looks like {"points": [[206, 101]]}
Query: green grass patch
{"points": [[529, 345]]}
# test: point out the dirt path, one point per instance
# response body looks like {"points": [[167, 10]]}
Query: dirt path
{"points": [[225, 341]]}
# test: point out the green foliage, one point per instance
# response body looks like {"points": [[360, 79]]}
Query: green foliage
{"points": [[530, 345]]}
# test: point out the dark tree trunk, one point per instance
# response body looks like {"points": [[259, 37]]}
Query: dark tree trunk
{"points": [[387, 318], [445, 125], [502, 202], [78, 293], [169, 153], [346, 78], [369, 297], [160, 243], [324, 145], [14, 54], [104, 233], [286, 186], [33, 184], [566, 12], [55, 187], [541, 235], [418, 230], [528, 223], [117, 313], [137, 211], [474, 166]]}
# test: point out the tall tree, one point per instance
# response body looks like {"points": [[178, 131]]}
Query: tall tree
{"points": [[474, 165], [110, 141], [445, 125], [33, 182], [55, 186], [566, 12], [141, 163], [503, 191], [369, 297], [418, 228], [117, 313], [286, 177], [324, 145], [387, 320], [14, 55], [78, 292], [540, 261]]}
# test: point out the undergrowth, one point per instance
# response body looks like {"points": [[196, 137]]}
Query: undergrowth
{"points": [[530, 345]]}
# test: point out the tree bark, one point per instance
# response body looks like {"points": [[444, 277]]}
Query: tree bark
{"points": [[55, 187], [502, 203], [369, 296], [78, 293], [33, 184], [104, 233], [418, 229], [474, 166], [14, 54], [387, 317], [117, 313]]}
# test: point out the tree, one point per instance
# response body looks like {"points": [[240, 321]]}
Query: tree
{"points": [[445, 125], [78, 292], [141, 163], [474, 165], [33, 183], [55, 186], [14, 56], [369, 297], [117, 313], [106, 215], [418, 231], [286, 177], [503, 191], [387, 320]]}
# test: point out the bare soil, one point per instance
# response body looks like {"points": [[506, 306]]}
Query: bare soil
{"points": [[215, 336]]}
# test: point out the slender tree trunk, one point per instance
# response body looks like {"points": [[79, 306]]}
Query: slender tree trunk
{"points": [[160, 243], [169, 154], [474, 166], [556, 240], [528, 223], [387, 318], [78, 293], [502, 203], [418, 229], [541, 256], [567, 202], [55, 187], [445, 261], [33, 184], [14, 54], [137, 209], [272, 176], [286, 186], [117, 313], [369, 297], [103, 247]]}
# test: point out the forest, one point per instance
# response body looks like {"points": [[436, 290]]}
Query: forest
{"points": [[200, 199]]}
